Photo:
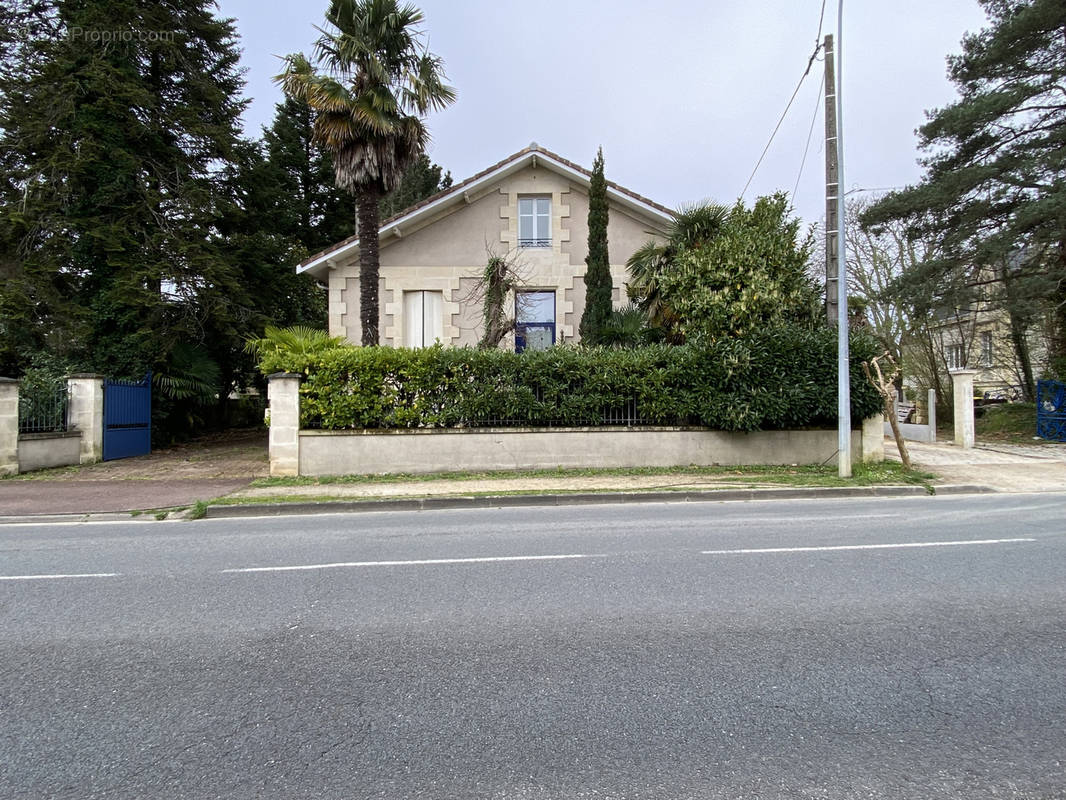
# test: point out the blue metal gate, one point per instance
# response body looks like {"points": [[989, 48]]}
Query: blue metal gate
{"points": [[1051, 410], [127, 418]]}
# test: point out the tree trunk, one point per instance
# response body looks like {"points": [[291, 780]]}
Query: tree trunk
{"points": [[1020, 342], [893, 421], [1020, 320], [886, 387], [367, 219], [934, 367], [1057, 357]]}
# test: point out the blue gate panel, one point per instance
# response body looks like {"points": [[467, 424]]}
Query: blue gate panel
{"points": [[1051, 410], [127, 418], [127, 442]]}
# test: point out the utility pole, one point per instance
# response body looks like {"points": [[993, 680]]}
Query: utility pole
{"points": [[841, 250], [832, 186]]}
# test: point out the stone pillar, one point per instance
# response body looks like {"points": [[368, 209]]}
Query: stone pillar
{"points": [[9, 426], [85, 414], [283, 395], [962, 389], [873, 439], [930, 417]]}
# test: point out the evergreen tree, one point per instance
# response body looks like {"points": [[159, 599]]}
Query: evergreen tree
{"points": [[309, 207], [420, 180], [599, 287], [727, 272], [111, 136], [263, 246], [993, 193]]}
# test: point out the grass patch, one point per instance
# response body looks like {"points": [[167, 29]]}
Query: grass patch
{"points": [[887, 472], [1010, 422], [199, 509], [884, 474]]}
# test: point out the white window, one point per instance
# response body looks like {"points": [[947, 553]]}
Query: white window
{"points": [[955, 357], [534, 222], [534, 320], [986, 348], [423, 314]]}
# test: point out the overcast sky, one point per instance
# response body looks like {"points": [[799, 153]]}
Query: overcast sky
{"points": [[683, 98]]}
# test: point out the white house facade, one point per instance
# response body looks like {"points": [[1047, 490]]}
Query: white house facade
{"points": [[532, 207]]}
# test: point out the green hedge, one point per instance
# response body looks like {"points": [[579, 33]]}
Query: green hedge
{"points": [[777, 379]]}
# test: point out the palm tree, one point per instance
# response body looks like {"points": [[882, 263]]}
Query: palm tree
{"points": [[376, 82], [691, 227]]}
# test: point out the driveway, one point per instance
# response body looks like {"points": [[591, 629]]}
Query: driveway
{"points": [[1006, 467], [176, 476]]}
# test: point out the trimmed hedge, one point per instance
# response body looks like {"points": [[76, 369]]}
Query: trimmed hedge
{"points": [[775, 379]]}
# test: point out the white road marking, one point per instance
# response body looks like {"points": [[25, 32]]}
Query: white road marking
{"points": [[58, 577], [785, 519], [414, 563], [862, 546]]}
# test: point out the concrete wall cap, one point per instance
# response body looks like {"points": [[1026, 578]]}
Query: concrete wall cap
{"points": [[963, 372], [95, 375], [9, 380], [284, 375]]}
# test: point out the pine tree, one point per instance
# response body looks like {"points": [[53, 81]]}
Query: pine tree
{"points": [[993, 192], [599, 287]]}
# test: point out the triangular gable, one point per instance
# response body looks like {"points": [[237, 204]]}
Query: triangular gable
{"points": [[534, 155]]}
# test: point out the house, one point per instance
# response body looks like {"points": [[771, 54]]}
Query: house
{"points": [[533, 206], [978, 336]]}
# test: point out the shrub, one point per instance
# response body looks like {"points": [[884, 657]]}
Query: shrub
{"points": [[773, 379]]}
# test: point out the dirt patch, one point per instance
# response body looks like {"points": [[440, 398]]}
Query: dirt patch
{"points": [[237, 454]]}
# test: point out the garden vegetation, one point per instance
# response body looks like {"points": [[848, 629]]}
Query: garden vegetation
{"points": [[778, 378]]}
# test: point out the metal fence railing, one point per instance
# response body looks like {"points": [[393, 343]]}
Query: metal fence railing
{"points": [[44, 409]]}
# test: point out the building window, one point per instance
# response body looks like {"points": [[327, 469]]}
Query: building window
{"points": [[423, 318], [955, 357], [534, 320], [534, 222], [986, 349]]}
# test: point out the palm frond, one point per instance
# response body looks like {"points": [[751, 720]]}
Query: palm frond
{"points": [[294, 340]]}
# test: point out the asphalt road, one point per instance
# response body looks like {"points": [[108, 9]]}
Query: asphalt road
{"points": [[583, 652]]}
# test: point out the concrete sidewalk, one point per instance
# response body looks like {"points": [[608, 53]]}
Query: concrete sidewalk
{"points": [[184, 476], [45, 497]]}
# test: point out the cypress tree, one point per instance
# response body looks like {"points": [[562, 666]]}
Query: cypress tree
{"points": [[599, 287]]}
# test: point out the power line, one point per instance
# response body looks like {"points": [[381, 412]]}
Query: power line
{"points": [[806, 72], [810, 133]]}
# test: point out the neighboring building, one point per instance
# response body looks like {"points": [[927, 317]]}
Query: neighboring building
{"points": [[532, 205], [980, 340]]}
